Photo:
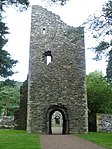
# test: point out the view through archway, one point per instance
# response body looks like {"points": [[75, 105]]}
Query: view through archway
{"points": [[57, 120], [57, 123]]}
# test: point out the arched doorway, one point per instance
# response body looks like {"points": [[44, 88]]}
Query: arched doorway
{"points": [[57, 120]]}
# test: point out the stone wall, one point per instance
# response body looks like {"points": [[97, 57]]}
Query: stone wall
{"points": [[6, 122], [104, 122], [21, 114], [60, 85]]}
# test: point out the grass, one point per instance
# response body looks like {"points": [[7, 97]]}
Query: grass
{"points": [[18, 139], [103, 139]]}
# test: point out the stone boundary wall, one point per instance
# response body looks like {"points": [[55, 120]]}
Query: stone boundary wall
{"points": [[6, 122], [104, 122]]}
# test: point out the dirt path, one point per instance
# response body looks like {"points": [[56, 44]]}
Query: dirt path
{"points": [[66, 142]]}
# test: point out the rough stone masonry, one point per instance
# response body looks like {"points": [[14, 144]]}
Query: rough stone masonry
{"points": [[56, 80]]}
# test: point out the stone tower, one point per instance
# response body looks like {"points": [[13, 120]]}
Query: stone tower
{"points": [[56, 74]]}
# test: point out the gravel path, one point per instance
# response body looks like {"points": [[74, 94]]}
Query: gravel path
{"points": [[66, 142]]}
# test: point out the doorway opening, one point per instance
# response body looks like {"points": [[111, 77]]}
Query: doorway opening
{"points": [[57, 120]]}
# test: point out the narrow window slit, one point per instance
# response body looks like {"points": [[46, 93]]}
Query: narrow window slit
{"points": [[48, 59], [47, 56], [44, 30]]}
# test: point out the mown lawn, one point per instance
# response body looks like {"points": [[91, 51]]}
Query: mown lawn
{"points": [[18, 139], [103, 139]]}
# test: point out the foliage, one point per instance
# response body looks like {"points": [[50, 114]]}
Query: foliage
{"points": [[22, 4], [99, 94], [103, 139], [101, 22], [109, 67], [9, 97], [100, 50], [13, 139], [6, 62], [101, 26], [62, 2], [7, 82]]}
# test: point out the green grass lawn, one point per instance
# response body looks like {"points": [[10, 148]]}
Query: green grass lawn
{"points": [[18, 139], [103, 139]]}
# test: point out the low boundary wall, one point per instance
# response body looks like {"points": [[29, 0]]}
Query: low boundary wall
{"points": [[104, 122]]}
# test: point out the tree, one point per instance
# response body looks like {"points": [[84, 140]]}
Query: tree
{"points": [[62, 2], [99, 94], [101, 27], [9, 98], [23, 4], [18, 3], [6, 62]]}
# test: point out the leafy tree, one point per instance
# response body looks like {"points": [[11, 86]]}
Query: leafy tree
{"points": [[99, 94], [6, 62], [9, 97], [23, 4], [101, 27], [18, 3], [8, 82]]}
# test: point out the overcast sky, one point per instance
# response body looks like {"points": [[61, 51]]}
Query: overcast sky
{"points": [[73, 13]]}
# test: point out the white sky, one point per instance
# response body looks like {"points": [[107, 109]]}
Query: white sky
{"points": [[73, 13]]}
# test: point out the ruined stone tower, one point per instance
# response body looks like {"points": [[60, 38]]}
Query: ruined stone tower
{"points": [[56, 74]]}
